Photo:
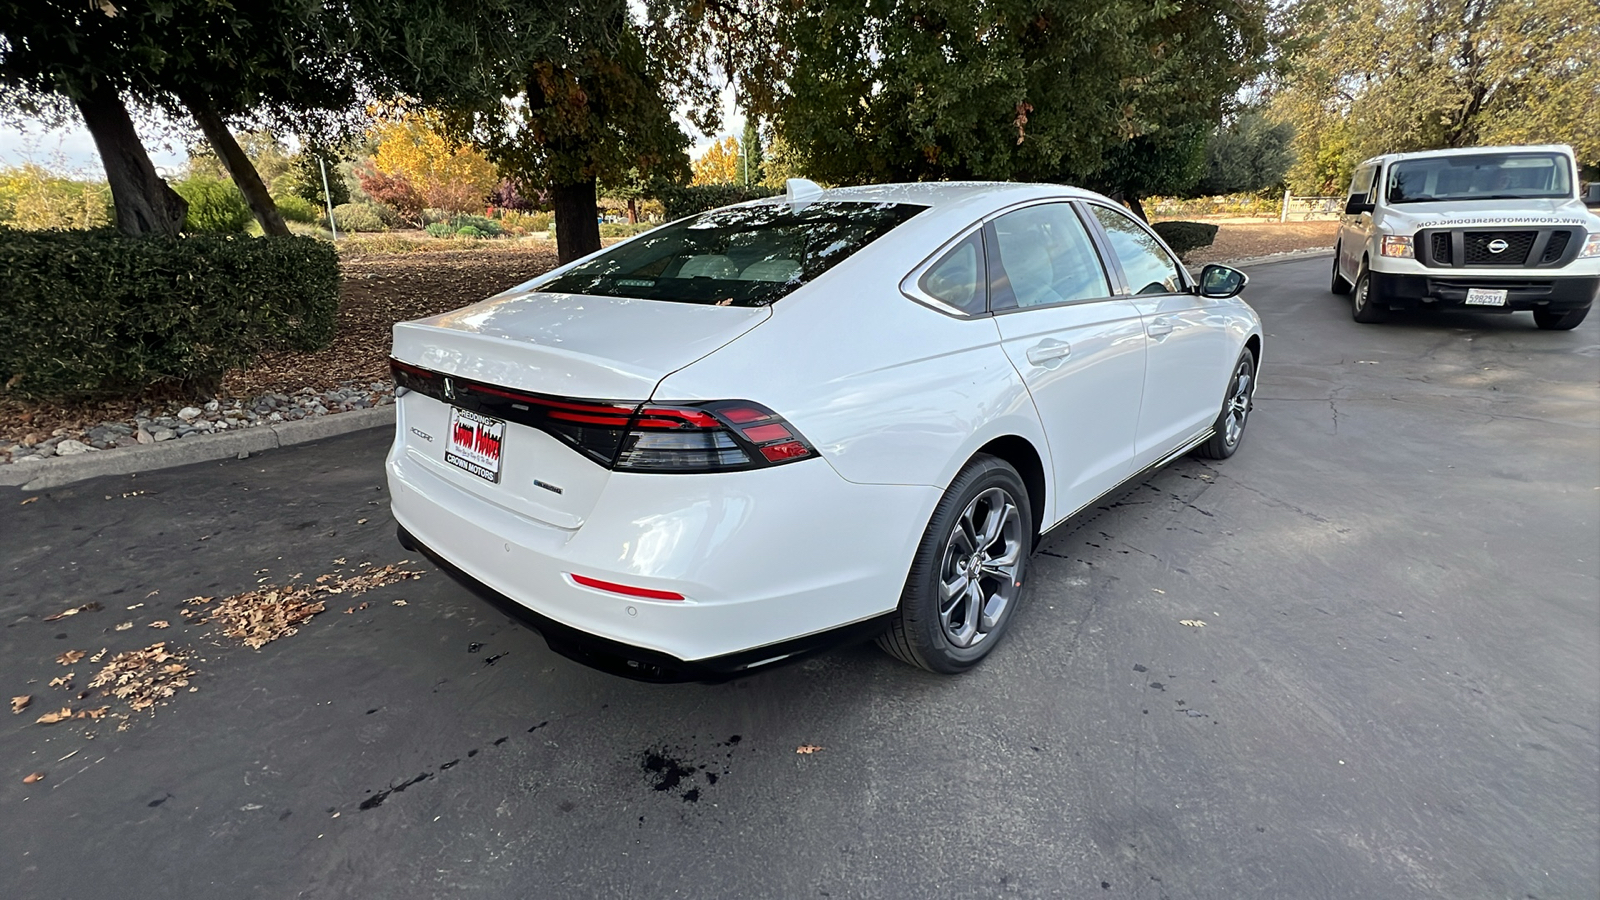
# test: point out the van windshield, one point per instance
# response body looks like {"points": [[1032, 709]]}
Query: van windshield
{"points": [[1481, 176], [743, 256]]}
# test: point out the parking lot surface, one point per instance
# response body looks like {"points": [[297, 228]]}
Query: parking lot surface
{"points": [[1394, 691]]}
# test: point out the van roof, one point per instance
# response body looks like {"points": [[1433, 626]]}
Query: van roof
{"points": [[1563, 149]]}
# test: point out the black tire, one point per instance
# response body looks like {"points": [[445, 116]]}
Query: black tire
{"points": [[1366, 306], [1559, 321], [1339, 286], [1236, 406], [921, 632]]}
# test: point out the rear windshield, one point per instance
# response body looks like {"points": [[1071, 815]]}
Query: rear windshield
{"points": [[1481, 176], [744, 256]]}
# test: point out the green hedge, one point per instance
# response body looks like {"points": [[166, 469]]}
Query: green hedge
{"points": [[681, 201], [215, 205], [1185, 236], [88, 314]]}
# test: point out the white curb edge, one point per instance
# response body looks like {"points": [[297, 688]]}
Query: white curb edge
{"points": [[50, 473]]}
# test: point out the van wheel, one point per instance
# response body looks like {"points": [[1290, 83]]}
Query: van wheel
{"points": [[1365, 306], [967, 576], [1559, 321], [1339, 286]]}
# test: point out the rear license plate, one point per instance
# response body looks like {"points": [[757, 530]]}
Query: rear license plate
{"points": [[1485, 297], [474, 443]]}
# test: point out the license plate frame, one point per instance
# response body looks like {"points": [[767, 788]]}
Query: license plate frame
{"points": [[475, 444], [1486, 296]]}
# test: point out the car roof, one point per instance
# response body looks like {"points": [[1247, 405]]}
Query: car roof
{"points": [[946, 194], [1470, 151]]}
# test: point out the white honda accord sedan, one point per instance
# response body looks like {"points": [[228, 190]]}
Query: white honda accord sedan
{"points": [[827, 415]]}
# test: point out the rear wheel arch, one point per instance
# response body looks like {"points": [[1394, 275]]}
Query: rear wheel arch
{"points": [[1025, 458]]}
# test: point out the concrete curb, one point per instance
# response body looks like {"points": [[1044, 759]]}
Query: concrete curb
{"points": [[37, 476], [1289, 256]]}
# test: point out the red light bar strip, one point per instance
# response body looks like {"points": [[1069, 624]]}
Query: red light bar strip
{"points": [[623, 589], [590, 408]]}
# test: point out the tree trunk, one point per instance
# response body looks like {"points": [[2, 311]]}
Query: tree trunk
{"points": [[633, 211], [577, 220], [144, 202], [1132, 202], [240, 169]]}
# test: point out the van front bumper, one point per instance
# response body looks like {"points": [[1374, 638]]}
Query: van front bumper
{"points": [[1547, 293]]}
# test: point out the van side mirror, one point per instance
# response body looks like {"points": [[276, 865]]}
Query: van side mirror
{"points": [[1221, 282], [1591, 196], [1356, 205]]}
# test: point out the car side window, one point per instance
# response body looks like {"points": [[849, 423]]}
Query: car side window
{"points": [[1043, 255], [1361, 182], [1145, 263], [960, 278]]}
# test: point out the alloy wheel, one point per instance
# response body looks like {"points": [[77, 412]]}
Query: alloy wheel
{"points": [[1238, 403], [978, 574]]}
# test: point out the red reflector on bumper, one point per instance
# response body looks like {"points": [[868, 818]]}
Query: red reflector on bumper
{"points": [[625, 590], [783, 451]]}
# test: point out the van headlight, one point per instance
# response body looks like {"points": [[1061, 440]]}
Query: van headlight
{"points": [[1397, 245], [1591, 247]]}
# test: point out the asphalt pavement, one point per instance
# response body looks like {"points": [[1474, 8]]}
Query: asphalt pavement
{"points": [[1395, 692]]}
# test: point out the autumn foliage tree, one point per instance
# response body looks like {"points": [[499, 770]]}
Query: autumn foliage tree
{"points": [[1397, 75], [719, 164], [414, 157]]}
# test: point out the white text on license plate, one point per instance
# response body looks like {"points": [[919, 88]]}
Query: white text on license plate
{"points": [[1485, 297], [474, 443]]}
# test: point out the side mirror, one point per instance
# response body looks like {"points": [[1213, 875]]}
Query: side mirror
{"points": [[1591, 196], [1356, 205], [1221, 282]]}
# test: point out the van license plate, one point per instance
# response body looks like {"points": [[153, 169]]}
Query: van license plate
{"points": [[474, 443], [1485, 297]]}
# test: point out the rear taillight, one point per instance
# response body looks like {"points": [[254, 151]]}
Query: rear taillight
{"points": [[710, 437], [716, 436]]}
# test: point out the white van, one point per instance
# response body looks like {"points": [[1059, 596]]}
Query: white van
{"points": [[1487, 229]]}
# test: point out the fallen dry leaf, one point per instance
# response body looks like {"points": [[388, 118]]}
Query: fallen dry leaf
{"points": [[1192, 623], [27, 501], [124, 626], [87, 607], [143, 678], [135, 606], [70, 657], [159, 623], [92, 714], [267, 613], [52, 718], [98, 656], [18, 704], [30, 779], [64, 681], [808, 749], [361, 521], [339, 561], [399, 603]]}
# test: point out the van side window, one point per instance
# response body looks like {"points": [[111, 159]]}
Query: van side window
{"points": [[1361, 182]]}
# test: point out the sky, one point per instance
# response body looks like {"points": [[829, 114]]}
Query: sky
{"points": [[71, 149]]}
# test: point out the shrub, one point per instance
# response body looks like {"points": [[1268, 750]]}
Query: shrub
{"points": [[297, 209], [680, 201], [215, 206], [95, 313], [32, 196], [439, 229], [359, 217], [395, 192], [1185, 236], [468, 231], [488, 226], [623, 229], [526, 223]]}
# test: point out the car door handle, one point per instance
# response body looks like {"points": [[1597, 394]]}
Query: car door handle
{"points": [[1049, 353], [1159, 327]]}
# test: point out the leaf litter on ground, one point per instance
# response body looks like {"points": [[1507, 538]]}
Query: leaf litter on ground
{"points": [[258, 617], [18, 704], [142, 678]]}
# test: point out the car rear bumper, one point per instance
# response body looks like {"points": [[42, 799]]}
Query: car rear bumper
{"points": [[1536, 291], [770, 562]]}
